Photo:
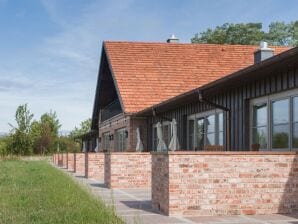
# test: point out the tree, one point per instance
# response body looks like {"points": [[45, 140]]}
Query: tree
{"points": [[21, 142], [4, 145], [44, 133], [67, 144], [279, 33], [229, 33], [83, 129]]}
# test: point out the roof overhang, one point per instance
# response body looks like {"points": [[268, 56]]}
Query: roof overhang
{"points": [[88, 135], [96, 105]]}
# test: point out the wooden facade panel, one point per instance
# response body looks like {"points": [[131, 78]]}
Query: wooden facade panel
{"points": [[237, 100]]}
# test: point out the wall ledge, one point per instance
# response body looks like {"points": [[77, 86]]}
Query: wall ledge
{"points": [[128, 153], [226, 153]]}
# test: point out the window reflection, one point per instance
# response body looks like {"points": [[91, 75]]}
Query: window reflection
{"points": [[280, 124], [260, 115], [260, 125], [206, 130], [280, 111], [200, 133], [280, 136], [295, 123]]}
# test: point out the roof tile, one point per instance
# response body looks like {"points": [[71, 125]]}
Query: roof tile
{"points": [[149, 73]]}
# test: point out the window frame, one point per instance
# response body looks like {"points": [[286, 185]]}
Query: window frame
{"points": [[106, 142], [216, 132], [269, 100], [121, 146]]}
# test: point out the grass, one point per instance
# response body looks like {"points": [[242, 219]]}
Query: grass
{"points": [[35, 192]]}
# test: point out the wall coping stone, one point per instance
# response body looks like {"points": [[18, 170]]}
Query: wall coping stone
{"points": [[128, 153], [226, 153]]}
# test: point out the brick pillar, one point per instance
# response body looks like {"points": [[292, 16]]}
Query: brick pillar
{"points": [[80, 163], [70, 162], [95, 165], [127, 170]]}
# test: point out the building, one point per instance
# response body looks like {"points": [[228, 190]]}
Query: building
{"points": [[255, 108], [140, 84]]}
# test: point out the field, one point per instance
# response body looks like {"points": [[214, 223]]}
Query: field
{"points": [[35, 192]]}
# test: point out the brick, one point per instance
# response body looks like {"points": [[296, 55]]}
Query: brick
{"points": [[94, 165], [79, 163], [245, 184], [127, 169], [70, 161]]}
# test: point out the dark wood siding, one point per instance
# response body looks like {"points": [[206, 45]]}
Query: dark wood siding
{"points": [[237, 100]]}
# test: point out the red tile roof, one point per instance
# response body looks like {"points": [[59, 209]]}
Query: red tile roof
{"points": [[149, 73]]}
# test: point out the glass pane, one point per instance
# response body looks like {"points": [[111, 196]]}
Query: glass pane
{"points": [[295, 108], [210, 139], [166, 129], [260, 137], [155, 138], [191, 134], [280, 111], [200, 133], [221, 138], [295, 135], [280, 136], [220, 122], [210, 126], [260, 115]]}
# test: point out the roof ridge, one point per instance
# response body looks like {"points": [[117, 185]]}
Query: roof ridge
{"points": [[194, 44]]}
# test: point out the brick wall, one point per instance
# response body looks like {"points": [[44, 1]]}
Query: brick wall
{"points": [[95, 165], [60, 159], [127, 170], [64, 160], [79, 164], [55, 160], [70, 161], [224, 183]]}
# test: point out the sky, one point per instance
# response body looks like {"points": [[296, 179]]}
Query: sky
{"points": [[50, 49]]}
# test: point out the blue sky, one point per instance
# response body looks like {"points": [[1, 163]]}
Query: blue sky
{"points": [[49, 49]]}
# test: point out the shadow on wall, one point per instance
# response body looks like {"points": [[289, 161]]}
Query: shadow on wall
{"points": [[289, 198]]}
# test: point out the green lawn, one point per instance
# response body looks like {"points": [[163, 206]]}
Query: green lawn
{"points": [[36, 192]]}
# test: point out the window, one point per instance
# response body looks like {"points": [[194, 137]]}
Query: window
{"points": [[205, 129], [295, 124], [166, 134], [121, 139], [260, 125], [275, 122], [106, 141], [280, 124]]}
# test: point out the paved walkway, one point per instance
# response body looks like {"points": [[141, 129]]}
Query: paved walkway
{"points": [[134, 206]]}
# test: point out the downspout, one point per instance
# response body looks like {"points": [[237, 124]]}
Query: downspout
{"points": [[227, 116]]}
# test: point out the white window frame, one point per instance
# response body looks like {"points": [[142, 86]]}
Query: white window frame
{"points": [[216, 132], [290, 94]]}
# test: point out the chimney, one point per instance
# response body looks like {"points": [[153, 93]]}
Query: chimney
{"points": [[263, 52], [173, 39]]}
